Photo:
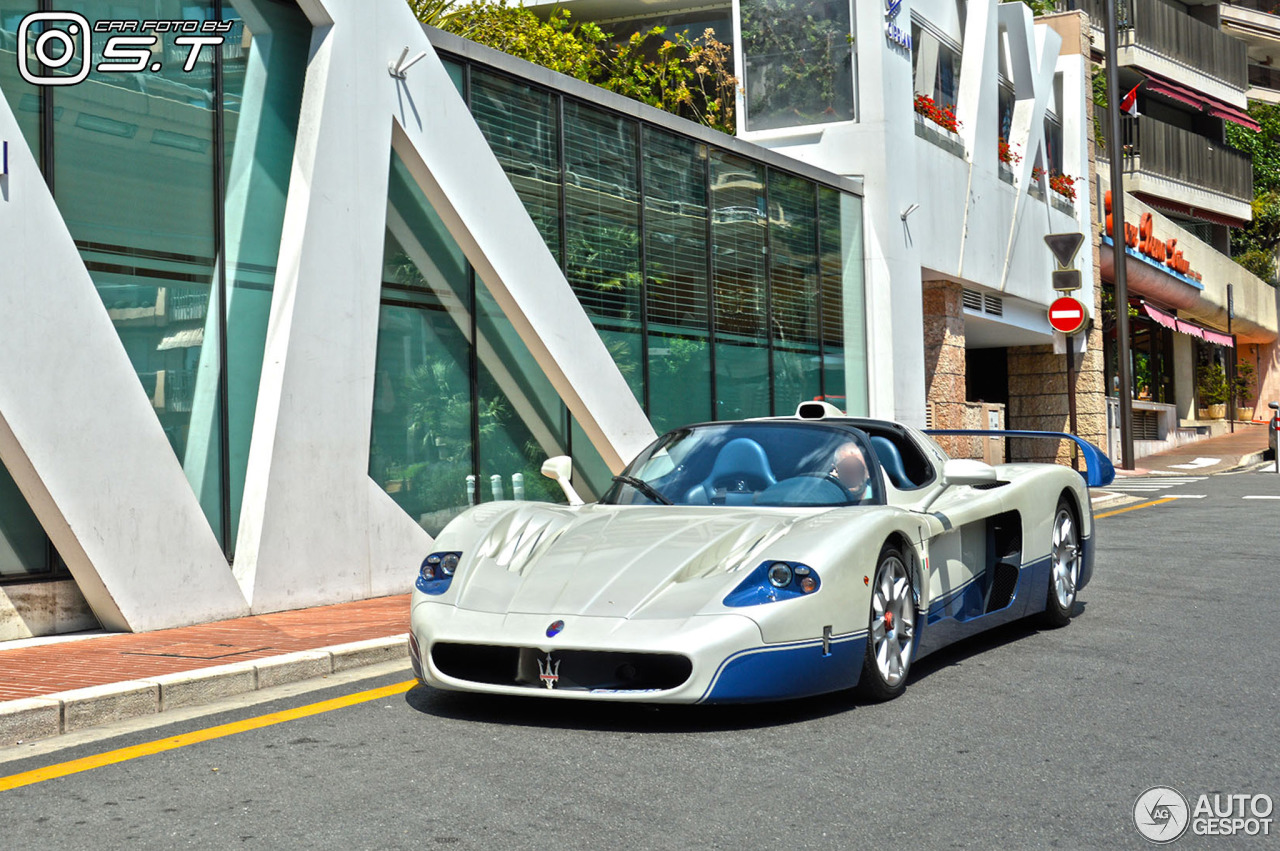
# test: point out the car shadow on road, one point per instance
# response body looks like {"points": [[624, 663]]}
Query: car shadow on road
{"points": [[622, 717], [984, 642]]}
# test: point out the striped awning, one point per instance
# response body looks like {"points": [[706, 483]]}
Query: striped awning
{"points": [[1182, 326], [1199, 100]]}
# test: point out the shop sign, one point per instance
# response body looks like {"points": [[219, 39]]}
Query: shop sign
{"points": [[892, 31], [1143, 240]]}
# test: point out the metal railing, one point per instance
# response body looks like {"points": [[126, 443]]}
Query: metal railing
{"points": [[1164, 29], [1162, 150], [1262, 77]]}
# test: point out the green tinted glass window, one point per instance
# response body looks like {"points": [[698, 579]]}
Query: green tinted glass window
{"points": [[677, 297], [602, 230], [793, 287], [738, 245], [519, 123]]}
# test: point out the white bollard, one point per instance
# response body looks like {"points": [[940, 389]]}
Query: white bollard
{"points": [[471, 490], [495, 485], [517, 486]]}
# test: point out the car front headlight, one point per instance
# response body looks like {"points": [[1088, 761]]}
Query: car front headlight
{"points": [[773, 581], [436, 573]]}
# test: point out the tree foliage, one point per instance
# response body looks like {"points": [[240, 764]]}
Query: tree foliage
{"points": [[687, 77], [1254, 246]]}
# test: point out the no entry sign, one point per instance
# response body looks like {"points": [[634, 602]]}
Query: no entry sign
{"points": [[1067, 315]]}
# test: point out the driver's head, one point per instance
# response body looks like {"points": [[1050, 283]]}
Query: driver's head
{"points": [[851, 467]]}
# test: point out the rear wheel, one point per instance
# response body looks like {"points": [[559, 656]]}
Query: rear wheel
{"points": [[1066, 557], [891, 631]]}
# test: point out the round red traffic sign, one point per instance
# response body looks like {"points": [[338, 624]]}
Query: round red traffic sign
{"points": [[1067, 315]]}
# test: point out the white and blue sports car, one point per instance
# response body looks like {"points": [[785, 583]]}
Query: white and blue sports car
{"points": [[752, 560]]}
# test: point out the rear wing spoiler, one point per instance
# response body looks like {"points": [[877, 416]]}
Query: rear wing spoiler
{"points": [[1099, 471]]}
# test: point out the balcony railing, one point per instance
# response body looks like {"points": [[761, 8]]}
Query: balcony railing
{"points": [[1270, 7], [1262, 77], [1152, 147], [1163, 29]]}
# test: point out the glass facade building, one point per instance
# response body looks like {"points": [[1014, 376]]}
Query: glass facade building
{"points": [[722, 285]]}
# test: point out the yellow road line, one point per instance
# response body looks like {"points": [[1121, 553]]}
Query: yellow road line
{"points": [[75, 766], [1128, 508]]}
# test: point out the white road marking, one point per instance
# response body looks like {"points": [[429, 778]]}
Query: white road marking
{"points": [[1196, 464], [1260, 497], [1151, 484], [1188, 495]]}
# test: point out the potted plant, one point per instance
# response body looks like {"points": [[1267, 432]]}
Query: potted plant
{"points": [[1211, 383], [1244, 391]]}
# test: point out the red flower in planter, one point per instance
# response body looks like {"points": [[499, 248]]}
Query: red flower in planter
{"points": [[942, 116], [1008, 155], [1064, 185]]}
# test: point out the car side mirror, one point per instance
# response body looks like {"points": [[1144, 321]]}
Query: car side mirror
{"points": [[963, 471], [559, 469]]}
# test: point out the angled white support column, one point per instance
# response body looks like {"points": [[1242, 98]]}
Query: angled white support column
{"points": [[314, 528], [1034, 57], [79, 435]]}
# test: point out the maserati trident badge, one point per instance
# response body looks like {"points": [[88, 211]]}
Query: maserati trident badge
{"points": [[549, 672]]}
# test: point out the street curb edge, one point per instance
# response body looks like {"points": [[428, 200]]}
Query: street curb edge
{"points": [[46, 716]]}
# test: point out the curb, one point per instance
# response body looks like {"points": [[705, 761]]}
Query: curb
{"points": [[51, 715]]}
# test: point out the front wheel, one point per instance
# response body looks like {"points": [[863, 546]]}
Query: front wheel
{"points": [[892, 629], [1066, 559]]}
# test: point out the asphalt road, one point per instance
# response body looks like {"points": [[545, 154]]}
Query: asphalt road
{"points": [[1018, 739]]}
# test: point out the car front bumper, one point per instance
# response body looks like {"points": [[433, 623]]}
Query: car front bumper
{"points": [[718, 658]]}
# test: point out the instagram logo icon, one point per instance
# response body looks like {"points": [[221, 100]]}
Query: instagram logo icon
{"points": [[67, 29]]}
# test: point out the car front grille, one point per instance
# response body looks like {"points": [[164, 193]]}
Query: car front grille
{"points": [[578, 670]]}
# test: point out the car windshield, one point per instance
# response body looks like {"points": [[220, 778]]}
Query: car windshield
{"points": [[781, 464]]}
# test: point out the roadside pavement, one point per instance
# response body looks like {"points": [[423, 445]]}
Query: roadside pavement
{"points": [[1220, 454], [65, 683]]}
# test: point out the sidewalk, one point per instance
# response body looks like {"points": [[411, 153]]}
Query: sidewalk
{"points": [[58, 685], [1204, 457]]}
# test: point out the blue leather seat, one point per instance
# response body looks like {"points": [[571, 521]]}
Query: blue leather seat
{"points": [[739, 471], [891, 460]]}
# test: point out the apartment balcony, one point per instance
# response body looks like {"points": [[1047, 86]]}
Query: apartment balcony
{"points": [[1155, 37], [1257, 24], [1178, 170]]}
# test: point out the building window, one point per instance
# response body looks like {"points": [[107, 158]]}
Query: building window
{"points": [[519, 123], [740, 267], [799, 62], [936, 65], [676, 293], [23, 97], [25, 551], [602, 230], [1053, 142], [794, 305]]}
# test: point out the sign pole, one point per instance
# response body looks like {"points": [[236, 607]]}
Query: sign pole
{"points": [[1231, 379], [1071, 399], [1114, 149]]}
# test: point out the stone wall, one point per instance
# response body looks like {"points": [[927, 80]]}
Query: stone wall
{"points": [[944, 369], [43, 608]]}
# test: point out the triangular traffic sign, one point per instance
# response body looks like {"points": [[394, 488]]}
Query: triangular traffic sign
{"points": [[1064, 246]]}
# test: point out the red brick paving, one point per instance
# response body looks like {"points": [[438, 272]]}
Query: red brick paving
{"points": [[35, 671]]}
